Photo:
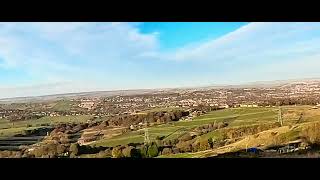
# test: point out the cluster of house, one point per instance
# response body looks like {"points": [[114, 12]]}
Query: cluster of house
{"points": [[140, 125], [248, 105], [87, 104]]}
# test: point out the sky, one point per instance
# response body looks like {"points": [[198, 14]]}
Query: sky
{"points": [[51, 58]]}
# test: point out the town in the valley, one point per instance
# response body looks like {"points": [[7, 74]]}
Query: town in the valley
{"points": [[189, 122]]}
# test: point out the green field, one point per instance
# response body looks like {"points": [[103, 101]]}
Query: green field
{"points": [[4, 124], [14, 131], [63, 105], [234, 116], [162, 109]]}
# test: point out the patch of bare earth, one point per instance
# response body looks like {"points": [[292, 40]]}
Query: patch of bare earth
{"points": [[90, 135]]}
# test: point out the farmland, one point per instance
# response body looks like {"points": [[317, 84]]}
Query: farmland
{"points": [[290, 131], [8, 128], [209, 123], [236, 117]]}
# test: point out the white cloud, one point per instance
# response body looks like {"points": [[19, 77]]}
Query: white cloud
{"points": [[254, 39], [118, 55], [46, 47]]}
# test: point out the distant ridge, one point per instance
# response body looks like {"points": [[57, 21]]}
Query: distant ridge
{"points": [[256, 84]]}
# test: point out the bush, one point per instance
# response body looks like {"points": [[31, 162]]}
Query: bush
{"points": [[108, 152], [185, 137], [312, 133], [174, 141], [153, 150], [127, 151], [143, 151], [103, 154], [204, 145], [185, 146], [136, 153], [74, 149], [117, 152], [61, 149], [210, 141], [166, 151], [175, 150]]}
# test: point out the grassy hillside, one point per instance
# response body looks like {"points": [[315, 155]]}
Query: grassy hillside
{"points": [[292, 129], [44, 121], [236, 117], [63, 105]]}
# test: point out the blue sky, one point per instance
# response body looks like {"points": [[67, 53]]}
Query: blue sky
{"points": [[175, 35], [49, 58]]}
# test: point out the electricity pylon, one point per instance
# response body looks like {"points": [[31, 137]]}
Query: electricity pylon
{"points": [[146, 136], [280, 120], [146, 133]]}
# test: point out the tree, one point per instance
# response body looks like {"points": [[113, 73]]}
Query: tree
{"points": [[210, 141], [143, 151], [204, 145], [166, 151], [127, 151], [117, 152], [185, 146], [61, 149], [153, 150], [185, 137], [74, 149]]}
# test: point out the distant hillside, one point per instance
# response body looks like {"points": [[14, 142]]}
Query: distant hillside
{"points": [[258, 84], [74, 95]]}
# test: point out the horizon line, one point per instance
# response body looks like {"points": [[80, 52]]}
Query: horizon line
{"points": [[155, 89]]}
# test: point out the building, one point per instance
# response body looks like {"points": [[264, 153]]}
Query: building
{"points": [[87, 104]]}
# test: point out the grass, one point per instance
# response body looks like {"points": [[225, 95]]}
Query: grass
{"points": [[14, 131], [216, 135], [236, 116], [162, 109], [180, 155], [45, 120], [127, 138], [63, 105]]}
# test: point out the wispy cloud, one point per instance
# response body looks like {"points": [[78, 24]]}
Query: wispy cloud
{"points": [[118, 55]]}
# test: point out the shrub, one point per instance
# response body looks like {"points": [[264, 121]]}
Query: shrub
{"points": [[312, 133], [61, 149], [166, 151], [175, 150], [174, 141], [210, 141], [185, 146], [127, 151], [74, 148], [143, 151], [204, 145], [103, 154], [39, 152], [153, 150], [185, 137], [117, 152], [136, 153], [108, 152]]}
